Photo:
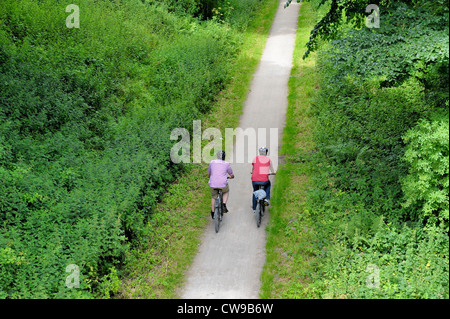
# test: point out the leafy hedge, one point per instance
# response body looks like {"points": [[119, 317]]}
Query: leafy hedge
{"points": [[426, 186], [381, 179], [85, 120], [409, 264], [233, 12]]}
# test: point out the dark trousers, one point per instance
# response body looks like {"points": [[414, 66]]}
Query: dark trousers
{"points": [[266, 189]]}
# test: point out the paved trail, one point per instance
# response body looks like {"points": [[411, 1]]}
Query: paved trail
{"points": [[229, 264]]}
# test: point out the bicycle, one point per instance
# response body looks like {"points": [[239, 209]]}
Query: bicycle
{"points": [[218, 209], [260, 205]]}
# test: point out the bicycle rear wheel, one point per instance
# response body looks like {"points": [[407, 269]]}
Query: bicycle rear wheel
{"points": [[217, 219], [259, 214]]}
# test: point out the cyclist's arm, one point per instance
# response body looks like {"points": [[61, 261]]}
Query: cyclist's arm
{"points": [[271, 167], [230, 172]]}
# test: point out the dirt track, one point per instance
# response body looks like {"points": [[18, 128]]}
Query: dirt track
{"points": [[229, 264]]}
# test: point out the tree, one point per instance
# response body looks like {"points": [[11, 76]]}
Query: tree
{"points": [[355, 12]]}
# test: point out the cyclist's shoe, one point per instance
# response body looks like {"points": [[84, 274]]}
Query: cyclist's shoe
{"points": [[225, 209], [212, 215], [266, 202]]}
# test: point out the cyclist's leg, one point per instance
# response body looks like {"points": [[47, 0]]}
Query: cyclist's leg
{"points": [[226, 193], [213, 202], [214, 194], [255, 188], [267, 189]]}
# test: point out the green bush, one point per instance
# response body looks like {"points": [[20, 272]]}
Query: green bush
{"points": [[236, 13], [394, 263], [85, 121], [359, 131], [380, 182], [375, 86], [426, 186]]}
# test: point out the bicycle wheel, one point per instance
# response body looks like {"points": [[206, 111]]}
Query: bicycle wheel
{"points": [[217, 219], [258, 214], [218, 213]]}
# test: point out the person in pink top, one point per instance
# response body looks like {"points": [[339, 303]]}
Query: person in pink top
{"points": [[262, 165], [218, 171]]}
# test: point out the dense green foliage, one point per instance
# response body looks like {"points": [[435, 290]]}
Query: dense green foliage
{"points": [[366, 145], [426, 185], [353, 13], [233, 12], [85, 120], [381, 182]]}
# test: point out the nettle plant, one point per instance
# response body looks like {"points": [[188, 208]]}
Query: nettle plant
{"points": [[426, 187]]}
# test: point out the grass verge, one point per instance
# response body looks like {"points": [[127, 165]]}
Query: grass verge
{"points": [[156, 267], [290, 235]]}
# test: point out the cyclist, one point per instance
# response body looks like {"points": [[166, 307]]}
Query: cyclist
{"points": [[218, 171], [261, 166]]}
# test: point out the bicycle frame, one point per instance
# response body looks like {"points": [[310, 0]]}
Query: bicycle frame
{"points": [[260, 206], [218, 210]]}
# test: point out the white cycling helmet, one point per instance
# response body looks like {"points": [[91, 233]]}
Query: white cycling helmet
{"points": [[221, 155], [263, 151]]}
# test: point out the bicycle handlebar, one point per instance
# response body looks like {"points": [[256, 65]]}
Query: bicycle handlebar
{"points": [[268, 174]]}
